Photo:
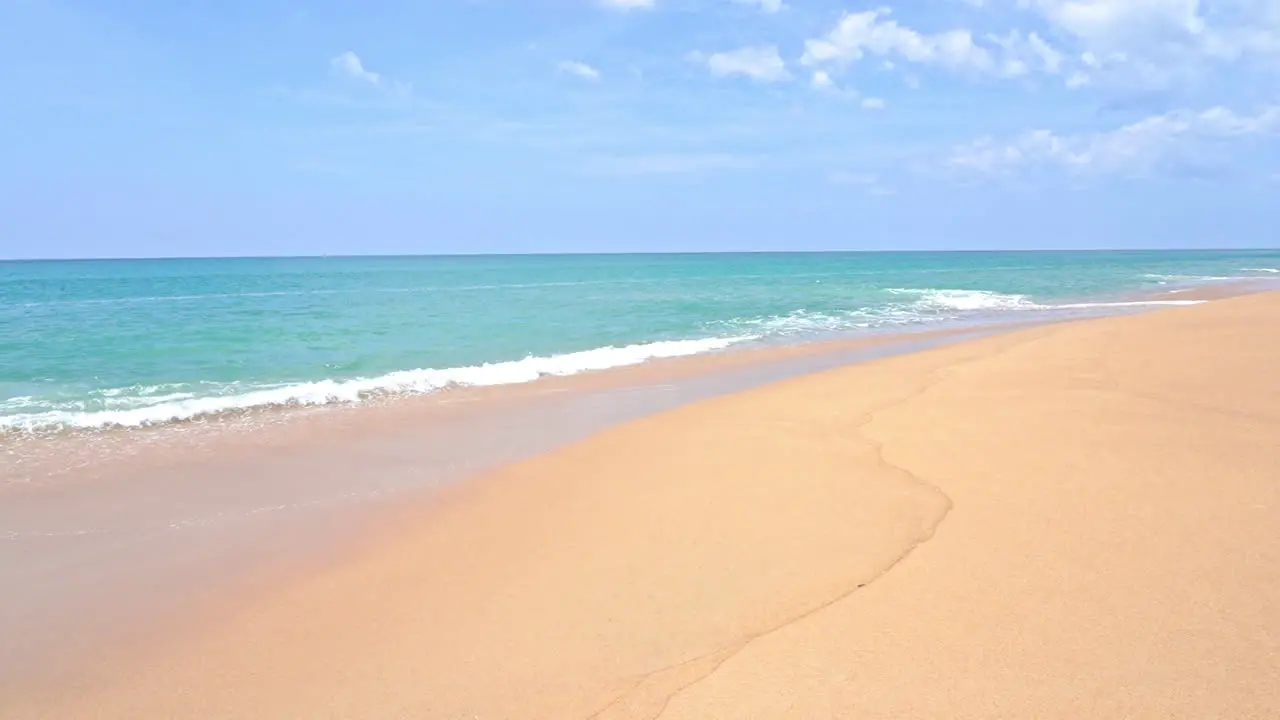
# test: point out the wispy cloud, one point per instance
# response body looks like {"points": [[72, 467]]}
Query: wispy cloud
{"points": [[349, 66], [1116, 22], [579, 69], [1154, 42], [873, 32], [762, 63], [1137, 148], [1023, 54], [823, 82]]}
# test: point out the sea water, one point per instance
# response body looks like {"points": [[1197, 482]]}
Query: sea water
{"points": [[89, 344]]}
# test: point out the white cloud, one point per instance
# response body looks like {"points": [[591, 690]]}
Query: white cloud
{"points": [[579, 69], [1136, 148], [672, 164], [1153, 42], [1049, 57], [857, 34], [1107, 21], [761, 63], [822, 81], [1023, 54], [872, 103], [1120, 43], [628, 4], [1014, 67], [769, 6], [350, 66]]}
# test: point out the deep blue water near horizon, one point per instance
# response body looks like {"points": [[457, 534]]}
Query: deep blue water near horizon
{"points": [[91, 343]]}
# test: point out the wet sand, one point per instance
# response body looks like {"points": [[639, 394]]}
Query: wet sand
{"points": [[116, 540], [1074, 520]]}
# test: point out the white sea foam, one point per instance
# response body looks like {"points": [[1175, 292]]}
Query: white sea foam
{"points": [[965, 300], [1166, 279], [915, 306], [801, 322], [179, 406], [919, 306], [1257, 273]]}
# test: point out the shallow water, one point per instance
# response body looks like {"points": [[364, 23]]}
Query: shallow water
{"points": [[86, 344]]}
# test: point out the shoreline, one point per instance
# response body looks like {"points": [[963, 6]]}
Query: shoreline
{"points": [[290, 424], [286, 399], [1049, 522], [201, 519], [342, 519], [28, 456]]}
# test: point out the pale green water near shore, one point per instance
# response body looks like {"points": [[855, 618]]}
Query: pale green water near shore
{"points": [[137, 342]]}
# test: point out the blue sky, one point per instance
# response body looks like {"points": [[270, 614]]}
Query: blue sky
{"points": [[233, 127]]}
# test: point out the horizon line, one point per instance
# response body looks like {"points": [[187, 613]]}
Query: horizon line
{"points": [[373, 256]]}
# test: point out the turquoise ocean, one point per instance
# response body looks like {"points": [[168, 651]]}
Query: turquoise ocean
{"points": [[90, 344]]}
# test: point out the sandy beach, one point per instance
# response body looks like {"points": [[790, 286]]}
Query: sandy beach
{"points": [[1072, 520]]}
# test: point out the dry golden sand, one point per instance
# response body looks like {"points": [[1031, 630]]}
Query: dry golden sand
{"points": [[1070, 521]]}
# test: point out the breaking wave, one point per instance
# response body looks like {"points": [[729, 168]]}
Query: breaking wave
{"points": [[157, 404]]}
